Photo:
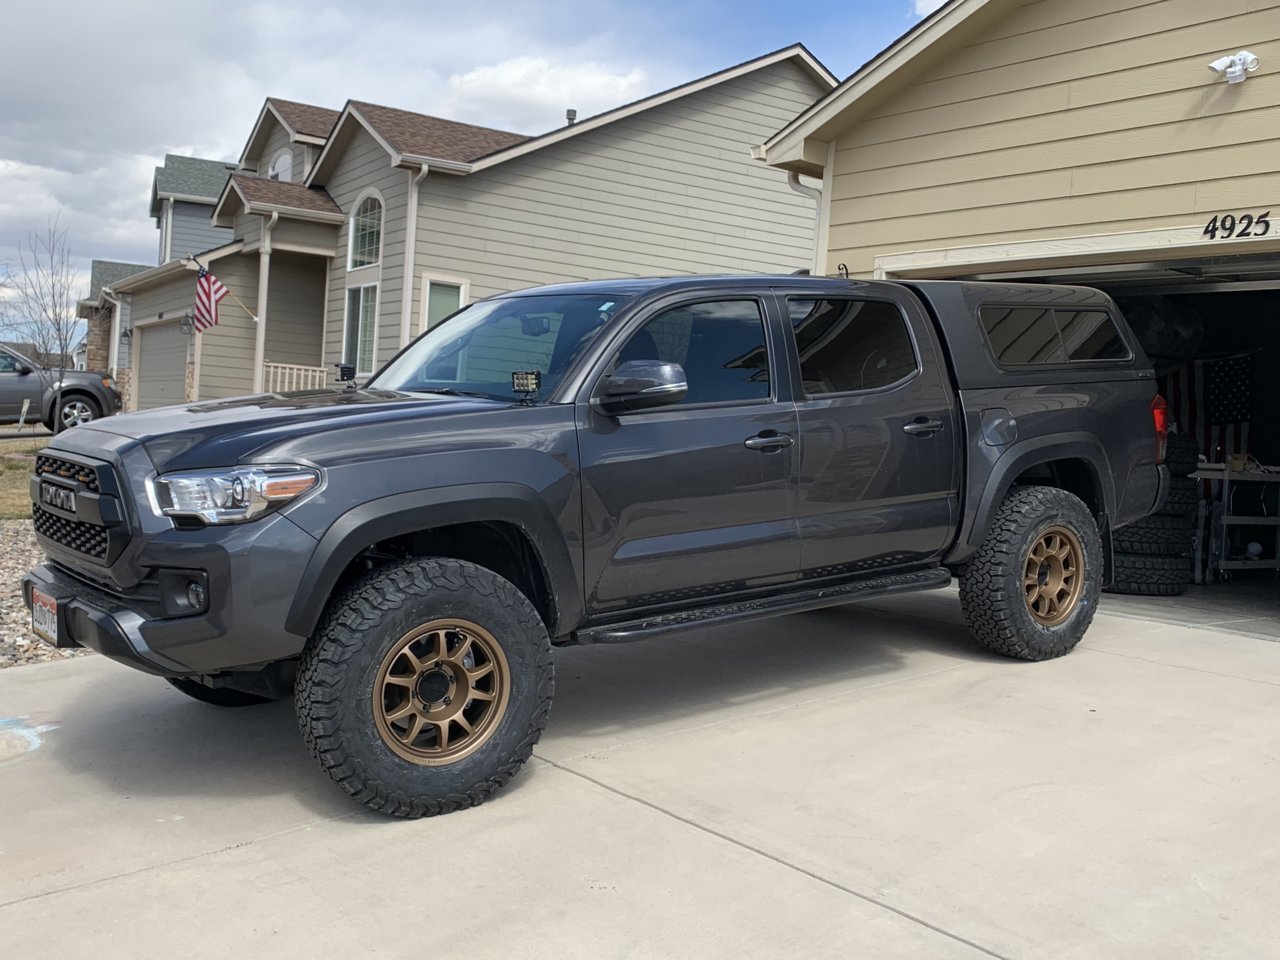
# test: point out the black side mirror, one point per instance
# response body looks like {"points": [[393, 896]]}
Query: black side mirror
{"points": [[640, 385], [22, 369]]}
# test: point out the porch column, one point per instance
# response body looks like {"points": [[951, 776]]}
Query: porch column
{"points": [[264, 276]]}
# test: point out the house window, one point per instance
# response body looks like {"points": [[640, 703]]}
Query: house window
{"points": [[366, 233], [282, 167], [441, 298], [357, 337]]}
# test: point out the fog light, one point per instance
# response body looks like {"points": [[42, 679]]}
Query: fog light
{"points": [[197, 596]]}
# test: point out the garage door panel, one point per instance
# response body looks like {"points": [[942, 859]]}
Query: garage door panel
{"points": [[162, 365]]}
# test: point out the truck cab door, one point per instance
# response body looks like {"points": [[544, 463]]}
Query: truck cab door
{"points": [[879, 440], [696, 498]]}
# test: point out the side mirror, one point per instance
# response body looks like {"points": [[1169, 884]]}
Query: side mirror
{"points": [[640, 385], [22, 369]]}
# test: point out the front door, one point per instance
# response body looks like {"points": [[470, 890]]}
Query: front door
{"points": [[16, 387], [879, 435], [676, 504]]}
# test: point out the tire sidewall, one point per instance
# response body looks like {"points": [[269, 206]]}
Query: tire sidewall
{"points": [[1076, 518]]}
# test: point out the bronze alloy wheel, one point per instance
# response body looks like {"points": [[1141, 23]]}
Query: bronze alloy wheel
{"points": [[1054, 576], [441, 691]]}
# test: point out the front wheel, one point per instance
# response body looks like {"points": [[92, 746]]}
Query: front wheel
{"points": [[75, 411], [1031, 589], [425, 687]]}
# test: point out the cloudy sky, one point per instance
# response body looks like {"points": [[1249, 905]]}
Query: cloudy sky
{"points": [[96, 93]]}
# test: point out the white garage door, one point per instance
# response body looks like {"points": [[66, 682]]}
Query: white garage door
{"points": [[162, 365]]}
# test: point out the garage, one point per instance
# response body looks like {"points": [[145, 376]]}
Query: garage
{"points": [[162, 364], [1127, 145]]}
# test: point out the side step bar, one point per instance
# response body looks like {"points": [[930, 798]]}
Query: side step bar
{"points": [[828, 596]]}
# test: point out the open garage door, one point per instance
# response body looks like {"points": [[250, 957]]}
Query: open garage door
{"points": [[162, 365]]}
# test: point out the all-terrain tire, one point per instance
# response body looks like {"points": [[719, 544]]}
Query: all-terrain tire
{"points": [[1157, 535], [218, 696], [358, 635], [1183, 498], [1147, 576], [993, 594], [1182, 455]]}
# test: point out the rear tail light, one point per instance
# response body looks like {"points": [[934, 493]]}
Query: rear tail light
{"points": [[1160, 415]]}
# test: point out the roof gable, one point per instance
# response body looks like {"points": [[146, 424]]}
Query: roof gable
{"points": [[303, 122], [188, 178], [255, 194]]}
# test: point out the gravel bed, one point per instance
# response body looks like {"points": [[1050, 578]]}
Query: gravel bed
{"points": [[18, 554]]}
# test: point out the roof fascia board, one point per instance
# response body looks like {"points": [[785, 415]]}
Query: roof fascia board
{"points": [[257, 128], [173, 268], [294, 213], [219, 220], [348, 112]]}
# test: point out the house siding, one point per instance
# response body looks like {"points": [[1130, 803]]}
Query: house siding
{"points": [[193, 231], [672, 190], [1067, 119], [295, 309], [279, 140], [364, 165], [321, 236], [226, 351]]}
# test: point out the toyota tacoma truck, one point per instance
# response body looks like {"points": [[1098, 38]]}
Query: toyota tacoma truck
{"points": [[591, 463]]}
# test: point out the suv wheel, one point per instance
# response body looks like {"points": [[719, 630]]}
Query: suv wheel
{"points": [[425, 687], [76, 411], [1032, 588]]}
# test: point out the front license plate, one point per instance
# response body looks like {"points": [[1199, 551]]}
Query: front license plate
{"points": [[53, 495], [44, 616]]}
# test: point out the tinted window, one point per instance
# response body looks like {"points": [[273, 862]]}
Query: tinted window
{"points": [[1091, 335], [8, 362], [848, 345], [1020, 335], [720, 345]]}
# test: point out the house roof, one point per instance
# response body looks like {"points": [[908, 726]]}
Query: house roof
{"points": [[263, 195], [174, 268], [304, 118], [188, 178], [801, 146], [107, 273], [427, 140]]}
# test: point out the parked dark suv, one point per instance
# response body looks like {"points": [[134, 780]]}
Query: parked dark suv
{"points": [[599, 462], [74, 397]]}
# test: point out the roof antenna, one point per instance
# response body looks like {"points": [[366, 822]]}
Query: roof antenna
{"points": [[570, 117]]}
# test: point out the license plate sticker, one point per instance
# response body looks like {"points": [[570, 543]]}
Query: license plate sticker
{"points": [[44, 616]]}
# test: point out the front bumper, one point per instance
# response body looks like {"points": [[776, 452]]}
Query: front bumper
{"points": [[251, 572]]}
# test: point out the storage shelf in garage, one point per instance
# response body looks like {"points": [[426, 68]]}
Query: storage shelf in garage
{"points": [[1223, 518]]}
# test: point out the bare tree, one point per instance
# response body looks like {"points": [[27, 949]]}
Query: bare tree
{"points": [[42, 303]]}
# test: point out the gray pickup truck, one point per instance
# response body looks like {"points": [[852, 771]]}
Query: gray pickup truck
{"points": [[599, 462]]}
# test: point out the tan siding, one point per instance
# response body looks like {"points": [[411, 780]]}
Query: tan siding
{"points": [[670, 191], [226, 351], [305, 233], [171, 299], [295, 309], [1068, 118]]}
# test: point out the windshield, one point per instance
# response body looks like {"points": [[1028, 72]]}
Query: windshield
{"points": [[478, 350]]}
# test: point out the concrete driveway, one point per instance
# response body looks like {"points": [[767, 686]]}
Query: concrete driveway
{"points": [[850, 783]]}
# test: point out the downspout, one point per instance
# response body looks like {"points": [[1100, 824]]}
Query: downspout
{"points": [[113, 351], [814, 194], [264, 274], [410, 257]]}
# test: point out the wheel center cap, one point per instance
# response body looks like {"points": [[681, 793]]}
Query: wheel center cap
{"points": [[434, 686]]}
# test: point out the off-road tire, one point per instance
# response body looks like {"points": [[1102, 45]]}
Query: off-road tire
{"points": [[340, 666], [1157, 535], [992, 592], [1183, 498], [1182, 455], [218, 696], [1146, 576]]}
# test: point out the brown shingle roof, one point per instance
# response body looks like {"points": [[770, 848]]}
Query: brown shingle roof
{"points": [[418, 135], [304, 118], [278, 193]]}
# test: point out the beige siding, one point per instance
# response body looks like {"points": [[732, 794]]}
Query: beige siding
{"points": [[364, 165], [172, 299], [295, 309], [1069, 118], [304, 233], [226, 351], [672, 190], [278, 140]]}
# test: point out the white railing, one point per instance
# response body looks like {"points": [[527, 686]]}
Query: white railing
{"points": [[280, 377]]}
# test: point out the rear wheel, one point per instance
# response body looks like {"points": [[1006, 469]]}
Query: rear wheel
{"points": [[425, 687], [218, 696], [1032, 588]]}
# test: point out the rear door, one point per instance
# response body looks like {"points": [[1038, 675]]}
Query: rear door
{"points": [[16, 387], [693, 499], [879, 432]]}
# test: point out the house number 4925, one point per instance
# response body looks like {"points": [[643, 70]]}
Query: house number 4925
{"points": [[1225, 226]]}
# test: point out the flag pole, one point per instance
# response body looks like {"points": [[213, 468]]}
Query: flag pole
{"points": [[252, 316]]}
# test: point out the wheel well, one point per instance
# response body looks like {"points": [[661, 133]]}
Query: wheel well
{"points": [[82, 394], [499, 546], [1072, 475]]}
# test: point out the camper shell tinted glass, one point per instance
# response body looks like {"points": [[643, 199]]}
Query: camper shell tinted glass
{"points": [[1021, 335]]}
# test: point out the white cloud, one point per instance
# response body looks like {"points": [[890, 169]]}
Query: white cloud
{"points": [[925, 7], [531, 94]]}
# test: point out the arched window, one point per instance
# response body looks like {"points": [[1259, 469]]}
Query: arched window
{"points": [[282, 166], [366, 233]]}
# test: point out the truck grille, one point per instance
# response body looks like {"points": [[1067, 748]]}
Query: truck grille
{"points": [[55, 466], [85, 538]]}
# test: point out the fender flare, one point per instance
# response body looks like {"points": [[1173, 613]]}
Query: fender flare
{"points": [[1017, 459], [418, 510]]}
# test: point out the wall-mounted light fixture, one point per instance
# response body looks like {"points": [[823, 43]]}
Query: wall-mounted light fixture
{"points": [[186, 324], [1236, 68]]}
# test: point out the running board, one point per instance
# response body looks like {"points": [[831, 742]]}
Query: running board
{"points": [[828, 596]]}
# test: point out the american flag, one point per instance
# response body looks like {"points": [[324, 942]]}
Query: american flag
{"points": [[209, 293]]}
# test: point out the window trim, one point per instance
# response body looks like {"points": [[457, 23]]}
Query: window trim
{"points": [[361, 197], [428, 278], [286, 152], [346, 326], [804, 396], [1053, 308]]}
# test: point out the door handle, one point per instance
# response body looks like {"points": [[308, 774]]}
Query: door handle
{"points": [[769, 441], [922, 428]]}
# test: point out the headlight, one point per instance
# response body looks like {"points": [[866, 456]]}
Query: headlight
{"points": [[109, 382], [230, 495]]}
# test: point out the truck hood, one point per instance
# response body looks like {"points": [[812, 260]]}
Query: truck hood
{"points": [[224, 432]]}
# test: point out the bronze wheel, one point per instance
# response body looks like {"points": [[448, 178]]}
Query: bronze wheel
{"points": [[1054, 576], [441, 691]]}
